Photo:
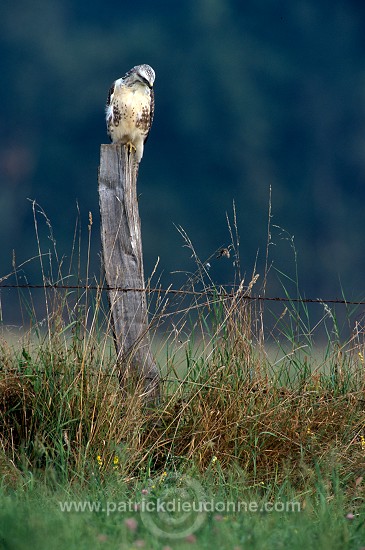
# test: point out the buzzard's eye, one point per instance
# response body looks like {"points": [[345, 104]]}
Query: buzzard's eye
{"points": [[146, 81]]}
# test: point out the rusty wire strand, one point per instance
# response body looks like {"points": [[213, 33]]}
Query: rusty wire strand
{"points": [[212, 293]]}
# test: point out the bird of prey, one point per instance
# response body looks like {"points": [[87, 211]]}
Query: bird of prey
{"points": [[130, 108]]}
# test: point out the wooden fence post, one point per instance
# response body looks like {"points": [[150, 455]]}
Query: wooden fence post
{"points": [[123, 263]]}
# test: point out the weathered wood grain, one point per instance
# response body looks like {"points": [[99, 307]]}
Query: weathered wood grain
{"points": [[123, 263]]}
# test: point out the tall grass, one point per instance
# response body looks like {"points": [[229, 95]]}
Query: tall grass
{"points": [[267, 404]]}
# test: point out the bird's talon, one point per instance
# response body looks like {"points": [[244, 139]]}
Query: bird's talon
{"points": [[131, 148]]}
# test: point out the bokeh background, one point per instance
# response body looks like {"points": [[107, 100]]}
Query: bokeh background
{"points": [[248, 95]]}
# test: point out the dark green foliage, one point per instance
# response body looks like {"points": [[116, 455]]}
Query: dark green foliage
{"points": [[248, 94]]}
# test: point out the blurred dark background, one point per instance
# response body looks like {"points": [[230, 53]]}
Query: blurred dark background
{"points": [[248, 95]]}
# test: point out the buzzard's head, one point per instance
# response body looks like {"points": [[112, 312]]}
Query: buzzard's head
{"points": [[141, 73]]}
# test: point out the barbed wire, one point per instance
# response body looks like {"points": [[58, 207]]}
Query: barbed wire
{"points": [[211, 293]]}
